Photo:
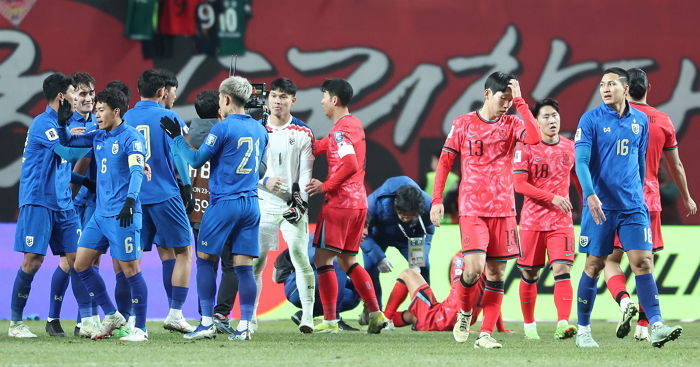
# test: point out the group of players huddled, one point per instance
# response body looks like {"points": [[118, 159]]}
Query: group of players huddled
{"points": [[96, 177]]}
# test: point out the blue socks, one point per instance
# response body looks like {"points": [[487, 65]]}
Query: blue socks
{"points": [[82, 295], [648, 297], [179, 297], [20, 294], [96, 286], [122, 295], [139, 299], [247, 290], [95, 309], [168, 266], [206, 286], [59, 284], [587, 289]]}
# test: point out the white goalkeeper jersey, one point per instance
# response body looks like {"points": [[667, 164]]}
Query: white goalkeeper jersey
{"points": [[289, 157]]}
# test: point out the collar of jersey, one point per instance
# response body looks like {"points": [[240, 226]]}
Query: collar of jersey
{"points": [[485, 120], [291, 118], [611, 111], [555, 143], [148, 104], [117, 130], [79, 118], [51, 112]]}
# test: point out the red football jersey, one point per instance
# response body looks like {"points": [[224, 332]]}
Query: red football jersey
{"points": [[486, 156], [346, 137], [662, 136], [178, 17], [548, 167]]}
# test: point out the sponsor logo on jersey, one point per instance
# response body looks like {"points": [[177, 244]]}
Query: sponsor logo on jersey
{"points": [[29, 241], [99, 147], [607, 129], [51, 134], [583, 241], [211, 139], [115, 148], [338, 135], [635, 128], [538, 159]]}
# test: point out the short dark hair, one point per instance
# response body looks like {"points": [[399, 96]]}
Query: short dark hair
{"points": [[545, 102], [207, 104], [638, 81], [622, 73], [56, 83], [338, 88], [409, 199], [114, 98], [82, 78], [118, 84], [170, 78], [498, 81], [150, 81], [284, 85]]}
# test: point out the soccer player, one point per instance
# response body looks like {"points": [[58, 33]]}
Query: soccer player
{"points": [[541, 172], [662, 140], [235, 149], [164, 217], [119, 149], [282, 207], [399, 213], [344, 210], [485, 139], [46, 213], [611, 141]]}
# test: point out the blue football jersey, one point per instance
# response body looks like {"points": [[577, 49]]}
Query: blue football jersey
{"points": [[114, 152], [617, 145], [84, 196], [145, 117], [236, 147], [45, 176]]}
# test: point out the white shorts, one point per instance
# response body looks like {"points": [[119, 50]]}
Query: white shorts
{"points": [[293, 234]]}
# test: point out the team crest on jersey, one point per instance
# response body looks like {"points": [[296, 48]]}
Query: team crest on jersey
{"points": [[115, 148], [635, 128], [29, 241], [211, 139], [583, 241], [338, 135], [565, 159]]}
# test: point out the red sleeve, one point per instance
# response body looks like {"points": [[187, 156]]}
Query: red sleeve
{"points": [[443, 169], [348, 167], [532, 129], [320, 146], [522, 186], [671, 141]]}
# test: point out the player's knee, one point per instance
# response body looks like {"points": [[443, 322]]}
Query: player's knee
{"points": [[560, 269], [642, 265], [470, 277], [31, 264], [530, 276]]}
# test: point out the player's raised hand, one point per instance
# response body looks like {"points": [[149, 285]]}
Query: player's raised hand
{"points": [[514, 86], [65, 111], [595, 206], [126, 215], [689, 204], [276, 185], [562, 203], [172, 128], [437, 212], [314, 187]]}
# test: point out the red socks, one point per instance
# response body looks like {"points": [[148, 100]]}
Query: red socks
{"points": [[397, 319], [616, 286], [528, 298], [397, 296], [493, 298], [563, 296], [328, 290], [363, 284]]}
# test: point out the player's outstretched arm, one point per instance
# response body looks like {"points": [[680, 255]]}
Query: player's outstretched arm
{"points": [[583, 158], [675, 167], [65, 111], [196, 158], [320, 146]]}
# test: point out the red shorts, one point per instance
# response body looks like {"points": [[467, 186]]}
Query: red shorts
{"points": [[657, 239], [340, 229], [497, 237], [430, 314], [558, 245]]}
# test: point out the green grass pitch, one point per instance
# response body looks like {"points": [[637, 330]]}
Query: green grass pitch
{"points": [[279, 344]]}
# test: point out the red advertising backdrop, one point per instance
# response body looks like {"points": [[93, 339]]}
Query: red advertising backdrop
{"points": [[414, 65]]}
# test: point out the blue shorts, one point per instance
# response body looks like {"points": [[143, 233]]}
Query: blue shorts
{"points": [[166, 223], [39, 227], [102, 232], [85, 213], [237, 220], [632, 227]]}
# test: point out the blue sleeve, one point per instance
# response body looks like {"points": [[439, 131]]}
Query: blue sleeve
{"points": [[76, 179], [135, 180], [196, 158], [428, 239], [429, 226], [79, 141], [181, 166], [583, 158], [585, 133], [72, 155], [642, 153], [371, 251]]}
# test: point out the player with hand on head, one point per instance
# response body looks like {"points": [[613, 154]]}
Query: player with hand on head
{"points": [[119, 149], [283, 206], [662, 141], [485, 140], [344, 210], [235, 149], [611, 142], [542, 174]]}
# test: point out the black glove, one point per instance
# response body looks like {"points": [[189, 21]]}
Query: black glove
{"points": [[297, 206], [65, 112], [172, 128], [126, 215], [91, 185], [187, 197]]}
